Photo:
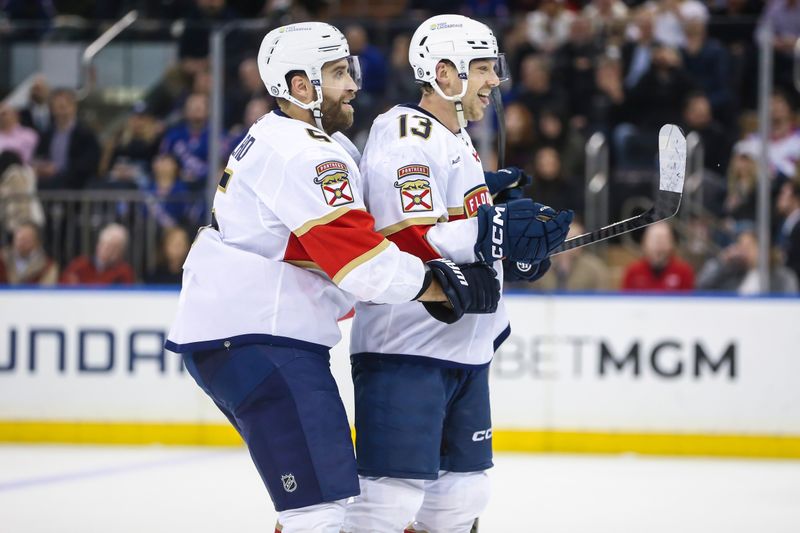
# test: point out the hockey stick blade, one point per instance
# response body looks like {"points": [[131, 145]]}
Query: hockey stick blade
{"points": [[672, 171]]}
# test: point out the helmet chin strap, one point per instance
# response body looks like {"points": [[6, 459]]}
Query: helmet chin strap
{"points": [[315, 107], [456, 99], [462, 121]]}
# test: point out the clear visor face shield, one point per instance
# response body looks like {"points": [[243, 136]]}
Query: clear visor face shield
{"points": [[337, 74], [499, 65], [501, 68]]}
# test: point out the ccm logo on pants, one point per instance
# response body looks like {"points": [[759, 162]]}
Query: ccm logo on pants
{"points": [[484, 434]]}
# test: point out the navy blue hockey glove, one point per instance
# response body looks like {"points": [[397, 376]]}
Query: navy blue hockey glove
{"points": [[521, 230], [510, 181], [470, 288], [525, 271]]}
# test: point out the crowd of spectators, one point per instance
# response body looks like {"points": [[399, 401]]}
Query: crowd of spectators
{"points": [[579, 67]]}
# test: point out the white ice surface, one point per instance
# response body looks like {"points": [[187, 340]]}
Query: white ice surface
{"points": [[199, 490]]}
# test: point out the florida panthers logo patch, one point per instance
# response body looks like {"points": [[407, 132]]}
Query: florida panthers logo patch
{"points": [[333, 179], [415, 194], [476, 197]]}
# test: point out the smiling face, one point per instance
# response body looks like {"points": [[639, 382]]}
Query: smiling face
{"points": [[338, 89], [482, 79]]}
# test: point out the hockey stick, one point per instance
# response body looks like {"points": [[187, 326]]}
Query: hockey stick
{"points": [[672, 170], [499, 111]]}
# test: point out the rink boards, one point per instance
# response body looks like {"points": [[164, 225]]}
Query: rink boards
{"points": [[650, 374]]}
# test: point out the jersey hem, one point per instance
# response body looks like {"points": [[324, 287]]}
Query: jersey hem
{"points": [[415, 359], [322, 499], [244, 340], [397, 474], [467, 469]]}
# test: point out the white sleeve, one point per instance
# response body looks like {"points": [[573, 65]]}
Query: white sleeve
{"points": [[455, 240], [318, 200]]}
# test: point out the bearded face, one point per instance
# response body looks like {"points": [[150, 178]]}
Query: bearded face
{"points": [[337, 113]]}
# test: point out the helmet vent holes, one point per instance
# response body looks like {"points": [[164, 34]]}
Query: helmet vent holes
{"points": [[422, 42]]}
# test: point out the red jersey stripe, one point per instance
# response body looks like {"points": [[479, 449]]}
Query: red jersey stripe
{"points": [[336, 244], [412, 240]]}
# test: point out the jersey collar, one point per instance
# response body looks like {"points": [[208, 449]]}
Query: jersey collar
{"points": [[416, 107]]}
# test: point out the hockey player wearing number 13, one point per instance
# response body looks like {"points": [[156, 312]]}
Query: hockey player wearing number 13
{"points": [[289, 251], [423, 426]]}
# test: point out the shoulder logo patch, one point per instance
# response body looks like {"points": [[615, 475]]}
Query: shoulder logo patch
{"points": [[415, 194], [474, 198], [333, 179]]}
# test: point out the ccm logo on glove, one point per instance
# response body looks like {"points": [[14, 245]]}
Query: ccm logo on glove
{"points": [[497, 232]]}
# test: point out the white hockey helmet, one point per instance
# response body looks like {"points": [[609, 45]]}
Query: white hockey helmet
{"points": [[459, 40], [306, 47]]}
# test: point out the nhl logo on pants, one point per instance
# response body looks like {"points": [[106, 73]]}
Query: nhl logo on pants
{"points": [[289, 484]]}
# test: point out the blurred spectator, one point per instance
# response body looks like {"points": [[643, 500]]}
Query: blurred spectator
{"points": [[637, 53], [373, 75], [165, 99], [26, 262], [655, 100], [14, 136], [168, 199], [788, 206], [576, 270], [553, 131], [200, 17], [740, 202], [240, 95], [550, 186], [127, 156], [574, 65], [37, 113], [68, 153], [188, 141], [172, 253], [548, 26], [736, 268], [371, 58], [535, 89], [604, 15], [255, 109], [659, 95], [783, 147], [670, 17], [709, 65], [784, 16], [403, 88], [697, 117], [18, 201], [607, 103], [660, 269], [520, 136], [107, 266]]}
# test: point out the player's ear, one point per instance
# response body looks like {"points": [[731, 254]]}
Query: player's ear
{"points": [[300, 88], [444, 73]]}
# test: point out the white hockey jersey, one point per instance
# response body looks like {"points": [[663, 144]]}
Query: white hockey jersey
{"points": [[291, 249], [424, 184]]}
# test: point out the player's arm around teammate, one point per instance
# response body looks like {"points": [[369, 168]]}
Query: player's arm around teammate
{"points": [[290, 249]]}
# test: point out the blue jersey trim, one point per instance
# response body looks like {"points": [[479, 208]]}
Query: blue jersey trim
{"points": [[243, 340], [502, 337], [415, 359]]}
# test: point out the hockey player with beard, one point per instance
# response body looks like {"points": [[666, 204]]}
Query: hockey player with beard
{"points": [[290, 250], [423, 426]]}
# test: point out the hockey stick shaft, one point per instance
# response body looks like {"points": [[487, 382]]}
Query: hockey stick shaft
{"points": [[672, 170], [497, 102]]}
